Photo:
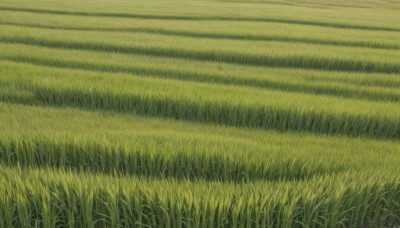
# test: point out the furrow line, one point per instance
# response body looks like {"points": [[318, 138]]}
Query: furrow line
{"points": [[145, 160], [336, 91], [247, 116], [301, 62], [202, 18], [215, 35]]}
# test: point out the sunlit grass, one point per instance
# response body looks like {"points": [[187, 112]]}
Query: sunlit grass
{"points": [[191, 113]]}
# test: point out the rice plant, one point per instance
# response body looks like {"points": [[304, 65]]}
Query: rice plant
{"points": [[199, 114]]}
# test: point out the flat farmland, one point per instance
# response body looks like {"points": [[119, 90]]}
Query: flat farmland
{"points": [[184, 113]]}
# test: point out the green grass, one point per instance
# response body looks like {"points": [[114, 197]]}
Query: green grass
{"points": [[210, 165], [184, 113], [351, 85], [235, 30], [172, 99], [44, 137], [258, 53], [58, 197], [336, 14]]}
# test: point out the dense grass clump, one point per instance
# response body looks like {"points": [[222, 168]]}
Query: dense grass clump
{"points": [[60, 198]]}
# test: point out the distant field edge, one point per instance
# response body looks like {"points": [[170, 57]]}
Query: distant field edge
{"points": [[205, 18]]}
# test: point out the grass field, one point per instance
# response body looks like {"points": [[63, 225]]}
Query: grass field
{"points": [[206, 113]]}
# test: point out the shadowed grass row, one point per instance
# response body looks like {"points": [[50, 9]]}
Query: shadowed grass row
{"points": [[50, 198], [366, 193], [207, 69], [226, 105], [202, 18], [323, 88], [358, 86], [27, 131], [277, 118], [210, 35], [160, 157], [209, 29], [255, 53], [354, 13]]}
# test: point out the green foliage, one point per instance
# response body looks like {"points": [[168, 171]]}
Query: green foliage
{"points": [[380, 87], [209, 104], [272, 54], [200, 114], [60, 198]]}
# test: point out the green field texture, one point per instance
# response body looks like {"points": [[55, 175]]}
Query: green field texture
{"points": [[354, 14], [185, 168], [206, 113], [258, 53], [172, 99], [350, 85], [57, 197], [231, 30], [39, 134]]}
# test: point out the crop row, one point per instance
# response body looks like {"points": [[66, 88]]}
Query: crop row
{"points": [[156, 158], [349, 14], [50, 198], [160, 137], [256, 53], [234, 106], [209, 29], [351, 86], [202, 18], [208, 69], [213, 35], [58, 137]]}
